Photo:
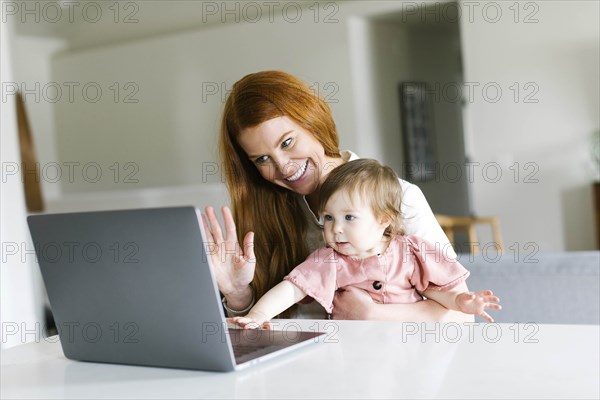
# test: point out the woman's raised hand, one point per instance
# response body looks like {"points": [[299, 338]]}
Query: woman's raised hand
{"points": [[233, 266]]}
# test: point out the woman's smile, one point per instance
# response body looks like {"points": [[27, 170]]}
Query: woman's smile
{"points": [[300, 173]]}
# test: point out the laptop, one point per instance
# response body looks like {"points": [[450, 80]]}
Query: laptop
{"points": [[136, 287]]}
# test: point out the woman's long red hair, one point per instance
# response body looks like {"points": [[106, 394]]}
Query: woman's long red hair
{"points": [[273, 213]]}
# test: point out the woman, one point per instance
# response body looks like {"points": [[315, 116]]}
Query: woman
{"points": [[278, 142]]}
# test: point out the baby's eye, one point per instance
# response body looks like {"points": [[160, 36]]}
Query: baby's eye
{"points": [[261, 159], [349, 217], [286, 143], [327, 218]]}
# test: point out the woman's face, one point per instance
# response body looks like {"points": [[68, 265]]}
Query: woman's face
{"points": [[287, 155]]}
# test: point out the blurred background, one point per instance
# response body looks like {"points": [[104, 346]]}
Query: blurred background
{"points": [[121, 100]]}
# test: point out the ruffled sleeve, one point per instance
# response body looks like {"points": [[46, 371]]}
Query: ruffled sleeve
{"points": [[432, 269], [317, 276]]}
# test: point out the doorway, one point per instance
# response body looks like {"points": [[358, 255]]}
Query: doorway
{"points": [[418, 45]]}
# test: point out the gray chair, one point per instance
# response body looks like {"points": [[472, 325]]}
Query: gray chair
{"points": [[551, 288]]}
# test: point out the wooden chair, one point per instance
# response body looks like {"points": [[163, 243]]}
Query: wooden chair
{"points": [[451, 224]]}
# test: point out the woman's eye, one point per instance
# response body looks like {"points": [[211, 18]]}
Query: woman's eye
{"points": [[261, 159], [286, 143], [349, 217]]}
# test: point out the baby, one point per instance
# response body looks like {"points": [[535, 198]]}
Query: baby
{"points": [[359, 208]]}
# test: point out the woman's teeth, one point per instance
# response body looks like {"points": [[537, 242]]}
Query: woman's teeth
{"points": [[298, 173]]}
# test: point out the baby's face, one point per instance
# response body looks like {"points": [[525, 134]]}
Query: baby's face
{"points": [[351, 228]]}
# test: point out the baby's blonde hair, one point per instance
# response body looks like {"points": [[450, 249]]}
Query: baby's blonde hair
{"points": [[376, 184]]}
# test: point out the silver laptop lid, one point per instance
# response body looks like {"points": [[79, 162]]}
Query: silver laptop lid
{"points": [[133, 287]]}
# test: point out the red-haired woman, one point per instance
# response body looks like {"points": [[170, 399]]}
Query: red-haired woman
{"points": [[278, 142]]}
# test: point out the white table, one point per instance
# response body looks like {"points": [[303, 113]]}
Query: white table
{"points": [[361, 359]]}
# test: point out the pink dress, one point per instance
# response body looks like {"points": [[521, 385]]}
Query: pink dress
{"points": [[409, 265]]}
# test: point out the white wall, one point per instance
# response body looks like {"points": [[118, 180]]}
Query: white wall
{"points": [[559, 56], [171, 133], [20, 303]]}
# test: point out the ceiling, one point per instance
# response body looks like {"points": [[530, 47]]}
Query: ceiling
{"points": [[87, 23]]}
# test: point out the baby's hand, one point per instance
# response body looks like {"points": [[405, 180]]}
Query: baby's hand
{"points": [[476, 302], [244, 322], [251, 322]]}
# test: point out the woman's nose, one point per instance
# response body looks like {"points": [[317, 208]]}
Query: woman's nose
{"points": [[283, 165]]}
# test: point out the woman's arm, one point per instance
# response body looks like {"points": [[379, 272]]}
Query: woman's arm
{"points": [[420, 221], [355, 303]]}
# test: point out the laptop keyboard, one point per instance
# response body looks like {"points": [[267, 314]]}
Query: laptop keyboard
{"points": [[240, 350], [249, 345]]}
